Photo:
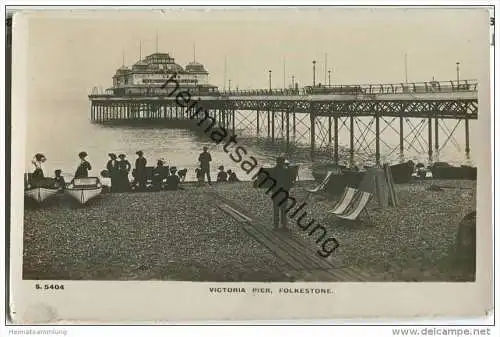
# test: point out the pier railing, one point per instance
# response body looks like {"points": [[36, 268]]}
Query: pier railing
{"points": [[362, 89], [370, 89]]}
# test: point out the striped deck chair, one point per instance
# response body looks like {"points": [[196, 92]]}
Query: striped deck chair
{"points": [[358, 207], [345, 201], [321, 186]]}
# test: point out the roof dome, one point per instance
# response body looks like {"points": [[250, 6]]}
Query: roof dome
{"points": [[195, 67]]}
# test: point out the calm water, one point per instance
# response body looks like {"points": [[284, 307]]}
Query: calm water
{"points": [[61, 129]]}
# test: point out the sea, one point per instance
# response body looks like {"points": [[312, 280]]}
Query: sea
{"points": [[60, 129]]}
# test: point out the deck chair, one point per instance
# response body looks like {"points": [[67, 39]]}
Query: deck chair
{"points": [[321, 186], [359, 206], [345, 201]]}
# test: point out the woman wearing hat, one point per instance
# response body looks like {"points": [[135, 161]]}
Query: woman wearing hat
{"points": [[37, 162], [140, 170], [83, 169], [123, 168], [112, 169]]}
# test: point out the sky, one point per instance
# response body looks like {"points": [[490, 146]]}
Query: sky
{"points": [[69, 53]]}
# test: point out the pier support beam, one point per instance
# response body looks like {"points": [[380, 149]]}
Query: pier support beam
{"points": [[287, 132], [282, 123], [401, 140], [268, 124], [272, 126], [351, 141], [312, 117], [336, 140], [467, 147], [258, 122], [377, 140], [329, 133], [436, 139], [429, 125], [233, 113]]}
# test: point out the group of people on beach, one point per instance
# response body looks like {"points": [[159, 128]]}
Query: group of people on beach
{"points": [[118, 169]]}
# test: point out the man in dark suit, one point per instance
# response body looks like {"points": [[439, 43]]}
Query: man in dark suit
{"points": [[205, 160], [284, 180]]}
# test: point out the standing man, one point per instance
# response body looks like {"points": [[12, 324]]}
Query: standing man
{"points": [[205, 158], [284, 180], [140, 170]]}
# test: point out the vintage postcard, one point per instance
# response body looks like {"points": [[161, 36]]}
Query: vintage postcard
{"points": [[186, 164]]}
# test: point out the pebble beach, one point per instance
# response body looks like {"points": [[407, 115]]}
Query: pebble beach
{"points": [[183, 235]]}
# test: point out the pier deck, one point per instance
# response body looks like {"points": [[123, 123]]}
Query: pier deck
{"points": [[319, 110]]}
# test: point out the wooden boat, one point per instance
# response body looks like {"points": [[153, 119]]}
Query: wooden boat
{"points": [[442, 170], [341, 178], [319, 170], [346, 178], [40, 190], [402, 173], [84, 189], [40, 194]]}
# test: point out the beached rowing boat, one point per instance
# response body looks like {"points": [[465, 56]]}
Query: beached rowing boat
{"points": [[84, 189], [40, 194], [40, 189]]}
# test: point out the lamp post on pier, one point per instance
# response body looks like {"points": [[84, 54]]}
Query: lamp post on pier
{"points": [[229, 84], [293, 81], [314, 74], [270, 86], [458, 75], [329, 78]]}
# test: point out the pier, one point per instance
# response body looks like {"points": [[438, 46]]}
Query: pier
{"points": [[317, 114]]}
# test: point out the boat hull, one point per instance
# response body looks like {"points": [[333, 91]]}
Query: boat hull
{"points": [[83, 195], [453, 172], [40, 194], [402, 173]]}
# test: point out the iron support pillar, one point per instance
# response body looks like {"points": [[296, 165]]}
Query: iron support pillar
{"points": [[467, 144], [401, 140], [336, 140], [429, 125], [351, 142], [312, 117], [436, 139], [377, 140]]}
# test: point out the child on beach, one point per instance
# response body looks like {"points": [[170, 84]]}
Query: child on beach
{"points": [[173, 180], [232, 178], [199, 175], [221, 175], [59, 179]]}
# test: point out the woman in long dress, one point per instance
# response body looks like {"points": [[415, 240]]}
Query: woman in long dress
{"points": [[123, 166], [83, 169], [112, 171]]}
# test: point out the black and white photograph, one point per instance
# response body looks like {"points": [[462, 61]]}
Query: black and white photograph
{"points": [[269, 145]]}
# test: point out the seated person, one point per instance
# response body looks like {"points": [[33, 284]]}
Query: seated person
{"points": [[59, 179], [173, 180], [158, 175], [232, 176], [221, 175]]}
